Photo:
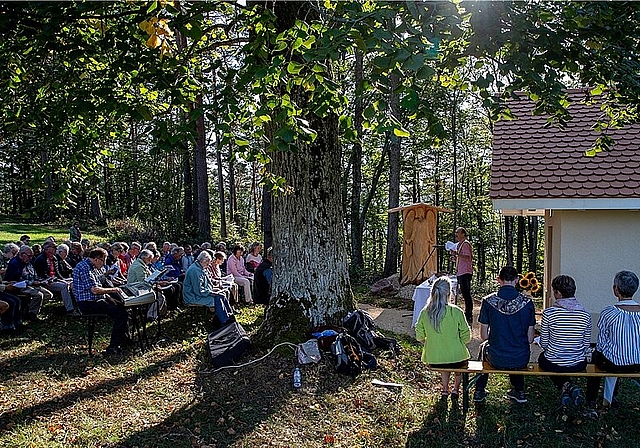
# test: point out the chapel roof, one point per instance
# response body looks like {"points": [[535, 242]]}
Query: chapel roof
{"points": [[534, 161]]}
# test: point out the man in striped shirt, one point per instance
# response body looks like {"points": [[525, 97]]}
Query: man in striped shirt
{"points": [[565, 337], [618, 346]]}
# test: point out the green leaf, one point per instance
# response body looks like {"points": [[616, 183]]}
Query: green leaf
{"points": [[410, 100], [414, 63], [294, 68], [399, 132]]}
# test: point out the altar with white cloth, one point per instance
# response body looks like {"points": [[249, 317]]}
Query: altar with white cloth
{"points": [[422, 293]]}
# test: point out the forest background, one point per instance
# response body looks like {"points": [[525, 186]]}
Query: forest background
{"points": [[195, 121], [103, 129]]}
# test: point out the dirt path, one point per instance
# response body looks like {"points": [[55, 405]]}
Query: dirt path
{"points": [[399, 321]]}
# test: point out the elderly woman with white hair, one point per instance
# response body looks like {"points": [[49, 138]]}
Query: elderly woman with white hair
{"points": [[199, 290], [65, 269]]}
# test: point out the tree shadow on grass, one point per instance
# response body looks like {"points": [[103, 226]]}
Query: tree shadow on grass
{"points": [[442, 427], [230, 404], [18, 416]]}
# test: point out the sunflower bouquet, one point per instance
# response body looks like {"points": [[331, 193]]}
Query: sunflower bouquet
{"points": [[529, 282]]}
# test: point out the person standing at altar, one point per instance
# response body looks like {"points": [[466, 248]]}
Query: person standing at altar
{"points": [[463, 255]]}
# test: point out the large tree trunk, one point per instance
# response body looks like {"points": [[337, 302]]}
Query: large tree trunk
{"points": [[311, 281], [310, 275], [202, 179], [357, 259]]}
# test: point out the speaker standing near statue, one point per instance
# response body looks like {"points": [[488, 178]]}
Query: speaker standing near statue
{"points": [[464, 264]]}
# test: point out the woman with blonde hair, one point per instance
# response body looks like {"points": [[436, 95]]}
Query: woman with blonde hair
{"points": [[444, 330]]}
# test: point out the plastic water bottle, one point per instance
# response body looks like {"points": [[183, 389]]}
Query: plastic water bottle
{"points": [[297, 378]]}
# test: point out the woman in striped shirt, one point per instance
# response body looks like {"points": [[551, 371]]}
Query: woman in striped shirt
{"points": [[618, 346], [565, 335]]}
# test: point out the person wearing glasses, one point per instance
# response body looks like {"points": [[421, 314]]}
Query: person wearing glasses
{"points": [[20, 269], [93, 298]]}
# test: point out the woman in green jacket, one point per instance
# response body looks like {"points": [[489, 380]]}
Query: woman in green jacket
{"points": [[445, 332]]}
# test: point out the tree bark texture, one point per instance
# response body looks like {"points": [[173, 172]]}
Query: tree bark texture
{"points": [[223, 211], [266, 217], [310, 274], [188, 189]]}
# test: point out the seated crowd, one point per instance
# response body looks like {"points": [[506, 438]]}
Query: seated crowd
{"points": [[507, 320], [88, 278]]}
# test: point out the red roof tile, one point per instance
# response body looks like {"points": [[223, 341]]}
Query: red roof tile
{"points": [[531, 160]]}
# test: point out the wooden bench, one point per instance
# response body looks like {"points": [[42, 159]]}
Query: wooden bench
{"points": [[532, 369]]}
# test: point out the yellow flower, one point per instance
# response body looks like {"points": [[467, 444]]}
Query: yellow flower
{"points": [[524, 283], [530, 275]]}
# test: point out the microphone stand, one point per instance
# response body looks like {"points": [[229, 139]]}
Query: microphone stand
{"points": [[421, 272]]}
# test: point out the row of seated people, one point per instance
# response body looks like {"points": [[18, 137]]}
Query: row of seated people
{"points": [[53, 271], [507, 320]]}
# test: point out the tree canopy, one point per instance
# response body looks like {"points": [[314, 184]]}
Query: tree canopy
{"points": [[117, 109]]}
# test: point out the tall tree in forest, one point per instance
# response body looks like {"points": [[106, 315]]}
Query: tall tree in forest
{"points": [[201, 174], [393, 219], [357, 260], [520, 243], [508, 234]]}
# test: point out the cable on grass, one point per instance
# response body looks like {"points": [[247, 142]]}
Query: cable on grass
{"points": [[295, 348]]}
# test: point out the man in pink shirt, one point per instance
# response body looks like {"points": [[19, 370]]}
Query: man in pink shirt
{"points": [[235, 267], [464, 255]]}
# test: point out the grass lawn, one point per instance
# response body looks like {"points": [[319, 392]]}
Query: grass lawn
{"points": [[12, 231], [53, 395]]}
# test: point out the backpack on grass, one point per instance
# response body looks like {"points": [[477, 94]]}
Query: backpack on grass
{"points": [[350, 358], [361, 326], [348, 354]]}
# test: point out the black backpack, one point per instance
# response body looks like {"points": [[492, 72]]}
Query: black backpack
{"points": [[362, 327], [348, 354]]}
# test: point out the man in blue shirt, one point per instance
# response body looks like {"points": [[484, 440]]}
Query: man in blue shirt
{"points": [[94, 298], [507, 318]]}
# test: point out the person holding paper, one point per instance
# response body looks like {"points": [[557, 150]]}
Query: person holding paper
{"points": [[224, 284], [20, 269], [463, 255], [94, 298], [199, 290]]}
